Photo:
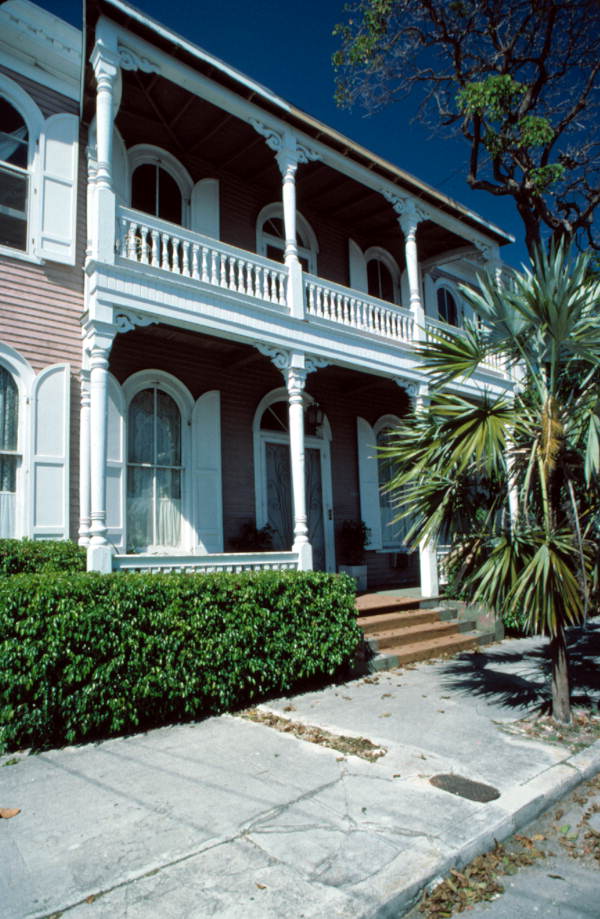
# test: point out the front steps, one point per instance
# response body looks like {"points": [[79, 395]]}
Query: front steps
{"points": [[401, 630]]}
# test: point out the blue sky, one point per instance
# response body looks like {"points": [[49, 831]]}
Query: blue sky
{"points": [[288, 47]]}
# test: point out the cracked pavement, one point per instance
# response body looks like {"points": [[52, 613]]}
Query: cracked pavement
{"points": [[228, 817]]}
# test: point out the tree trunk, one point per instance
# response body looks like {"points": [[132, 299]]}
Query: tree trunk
{"points": [[561, 702]]}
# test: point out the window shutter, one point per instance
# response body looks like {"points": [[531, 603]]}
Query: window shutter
{"points": [[206, 216], [208, 503], [58, 189], [368, 479], [50, 466], [115, 465], [120, 170], [357, 267]]}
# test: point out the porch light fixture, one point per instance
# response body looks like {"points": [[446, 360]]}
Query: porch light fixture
{"points": [[315, 416]]}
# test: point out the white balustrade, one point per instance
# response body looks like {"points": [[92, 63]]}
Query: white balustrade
{"points": [[325, 300], [149, 241], [434, 329], [233, 562]]}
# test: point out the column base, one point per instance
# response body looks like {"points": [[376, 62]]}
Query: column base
{"points": [[305, 556], [430, 586], [99, 558]]}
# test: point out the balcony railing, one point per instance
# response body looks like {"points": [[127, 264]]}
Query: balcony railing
{"points": [[326, 300], [147, 240], [434, 327], [232, 562]]}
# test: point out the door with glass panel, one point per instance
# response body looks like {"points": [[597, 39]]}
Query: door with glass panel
{"points": [[154, 472]]}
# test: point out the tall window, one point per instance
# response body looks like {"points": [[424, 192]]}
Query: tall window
{"points": [[380, 281], [154, 471], [9, 422], [446, 304], [270, 233], [14, 177], [155, 191]]}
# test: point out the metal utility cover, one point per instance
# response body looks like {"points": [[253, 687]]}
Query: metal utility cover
{"points": [[465, 788]]}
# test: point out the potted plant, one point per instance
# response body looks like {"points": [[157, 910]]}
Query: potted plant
{"points": [[353, 537]]}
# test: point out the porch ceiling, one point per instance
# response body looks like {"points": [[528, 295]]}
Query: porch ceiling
{"points": [[211, 142]]}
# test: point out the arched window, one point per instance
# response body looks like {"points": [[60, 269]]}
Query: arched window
{"points": [[9, 457], [154, 471], [270, 237], [14, 177], [447, 305], [160, 185], [383, 275], [393, 533]]}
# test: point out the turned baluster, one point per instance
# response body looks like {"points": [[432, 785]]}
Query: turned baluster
{"points": [[204, 269], [195, 271], [165, 238], [154, 249], [185, 258]]}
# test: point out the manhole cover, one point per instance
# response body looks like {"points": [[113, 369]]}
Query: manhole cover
{"points": [[466, 788]]}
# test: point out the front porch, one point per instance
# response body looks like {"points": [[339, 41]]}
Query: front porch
{"points": [[234, 471]]}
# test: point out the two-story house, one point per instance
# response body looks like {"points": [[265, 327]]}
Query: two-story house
{"points": [[255, 288]]}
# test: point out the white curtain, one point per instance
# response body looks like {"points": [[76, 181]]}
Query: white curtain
{"points": [[7, 514]]}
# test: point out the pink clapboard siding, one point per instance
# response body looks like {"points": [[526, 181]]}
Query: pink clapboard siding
{"points": [[41, 304]]}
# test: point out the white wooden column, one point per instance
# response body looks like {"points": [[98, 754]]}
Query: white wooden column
{"points": [[409, 217], [428, 563], [84, 456], [99, 343], [105, 62], [296, 382]]}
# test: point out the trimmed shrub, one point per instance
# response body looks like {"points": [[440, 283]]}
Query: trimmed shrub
{"points": [[90, 656], [33, 556]]}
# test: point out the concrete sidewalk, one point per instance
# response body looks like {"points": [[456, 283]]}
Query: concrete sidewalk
{"points": [[230, 818]]}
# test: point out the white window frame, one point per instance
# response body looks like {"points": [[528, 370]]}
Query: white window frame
{"points": [[308, 246], [142, 154], [34, 120], [445, 284], [148, 379], [379, 254], [23, 375]]}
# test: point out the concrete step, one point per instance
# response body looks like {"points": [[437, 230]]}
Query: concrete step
{"points": [[374, 604], [384, 622], [400, 638], [427, 650]]}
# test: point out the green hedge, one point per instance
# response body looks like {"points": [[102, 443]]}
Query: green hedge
{"points": [[89, 656], [31, 556]]}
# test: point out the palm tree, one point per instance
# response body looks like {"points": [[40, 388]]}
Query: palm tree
{"points": [[510, 479]]}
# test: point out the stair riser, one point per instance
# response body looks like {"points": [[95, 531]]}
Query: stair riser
{"points": [[399, 639], [423, 654], [395, 621]]}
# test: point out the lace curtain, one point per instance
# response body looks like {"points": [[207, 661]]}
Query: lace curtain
{"points": [[9, 421], [154, 471]]}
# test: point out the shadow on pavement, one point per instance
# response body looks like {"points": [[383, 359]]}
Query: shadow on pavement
{"points": [[517, 674]]}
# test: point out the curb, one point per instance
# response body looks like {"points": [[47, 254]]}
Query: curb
{"points": [[520, 807]]}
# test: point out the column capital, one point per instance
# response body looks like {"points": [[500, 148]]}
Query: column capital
{"points": [[408, 212], [97, 339], [410, 387], [106, 65], [286, 360], [290, 152]]}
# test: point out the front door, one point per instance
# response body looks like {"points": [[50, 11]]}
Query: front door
{"points": [[280, 510]]}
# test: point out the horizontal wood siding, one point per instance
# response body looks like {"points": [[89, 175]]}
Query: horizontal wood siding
{"points": [[41, 305]]}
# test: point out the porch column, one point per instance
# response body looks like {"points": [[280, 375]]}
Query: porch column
{"points": [[428, 563], [105, 62], [99, 549], [295, 376], [84, 456], [287, 160], [409, 217]]}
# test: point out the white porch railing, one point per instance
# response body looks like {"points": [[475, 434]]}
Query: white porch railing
{"points": [[326, 300], [147, 240], [434, 327], [232, 562]]}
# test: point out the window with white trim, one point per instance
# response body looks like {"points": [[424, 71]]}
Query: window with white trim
{"points": [[383, 275], [160, 185], [270, 237], [14, 177], [9, 455], [154, 471], [447, 305]]}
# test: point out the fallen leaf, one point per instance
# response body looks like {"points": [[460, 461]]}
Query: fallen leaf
{"points": [[7, 812], [261, 886], [90, 899]]}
